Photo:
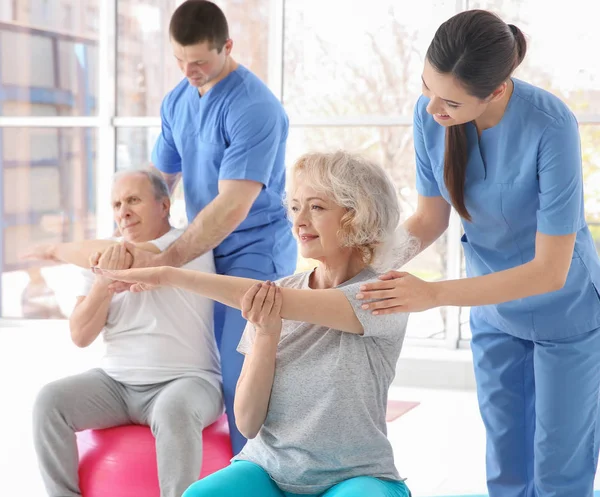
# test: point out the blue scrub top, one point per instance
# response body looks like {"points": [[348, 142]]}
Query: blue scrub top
{"points": [[523, 175], [236, 131]]}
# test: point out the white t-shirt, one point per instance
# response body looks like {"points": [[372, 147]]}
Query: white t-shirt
{"points": [[163, 334]]}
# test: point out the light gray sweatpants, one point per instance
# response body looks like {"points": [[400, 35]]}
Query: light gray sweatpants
{"points": [[176, 411]]}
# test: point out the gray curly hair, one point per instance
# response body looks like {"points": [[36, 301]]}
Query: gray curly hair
{"points": [[365, 190]]}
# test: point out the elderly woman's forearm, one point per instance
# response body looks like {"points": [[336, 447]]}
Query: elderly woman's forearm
{"points": [[254, 386], [328, 308]]}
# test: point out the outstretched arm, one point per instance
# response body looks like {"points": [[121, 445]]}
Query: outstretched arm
{"points": [[328, 308], [78, 253]]}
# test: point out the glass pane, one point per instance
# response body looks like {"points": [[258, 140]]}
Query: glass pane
{"points": [[556, 59], [48, 57], [79, 17], [48, 195], [369, 64], [146, 68], [590, 148], [392, 147]]}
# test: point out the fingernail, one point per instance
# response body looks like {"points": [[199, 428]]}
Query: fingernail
{"points": [[359, 295], [375, 313], [365, 306], [363, 288]]}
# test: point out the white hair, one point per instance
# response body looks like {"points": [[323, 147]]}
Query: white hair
{"points": [[372, 221], [159, 185]]}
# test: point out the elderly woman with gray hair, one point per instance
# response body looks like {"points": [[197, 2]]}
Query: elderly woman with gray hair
{"points": [[312, 394]]}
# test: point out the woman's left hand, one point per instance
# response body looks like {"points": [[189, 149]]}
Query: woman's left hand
{"points": [[400, 292]]}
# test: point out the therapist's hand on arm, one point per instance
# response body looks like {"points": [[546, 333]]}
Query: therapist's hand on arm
{"points": [[559, 217], [547, 272]]}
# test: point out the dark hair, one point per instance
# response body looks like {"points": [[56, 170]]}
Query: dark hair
{"points": [[481, 51], [198, 21]]}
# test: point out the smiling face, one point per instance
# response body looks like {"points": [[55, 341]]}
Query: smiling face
{"points": [[140, 216], [449, 103], [317, 223]]}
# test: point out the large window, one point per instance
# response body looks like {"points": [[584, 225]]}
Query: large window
{"points": [[48, 67], [48, 196], [82, 81], [48, 70], [364, 64]]}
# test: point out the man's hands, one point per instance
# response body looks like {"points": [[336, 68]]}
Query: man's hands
{"points": [[141, 259], [113, 258]]}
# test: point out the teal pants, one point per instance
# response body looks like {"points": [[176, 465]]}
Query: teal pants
{"points": [[246, 479]]}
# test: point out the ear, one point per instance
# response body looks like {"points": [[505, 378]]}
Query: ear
{"points": [[228, 47], [166, 205], [499, 92]]}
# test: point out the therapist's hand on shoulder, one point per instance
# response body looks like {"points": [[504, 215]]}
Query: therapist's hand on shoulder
{"points": [[398, 292]]}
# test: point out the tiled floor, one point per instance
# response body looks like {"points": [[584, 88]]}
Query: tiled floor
{"points": [[439, 444]]}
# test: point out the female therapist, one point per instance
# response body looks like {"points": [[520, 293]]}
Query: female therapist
{"points": [[506, 155]]}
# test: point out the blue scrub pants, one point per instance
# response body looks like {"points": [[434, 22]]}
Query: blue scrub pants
{"points": [[246, 479], [539, 401], [229, 326]]}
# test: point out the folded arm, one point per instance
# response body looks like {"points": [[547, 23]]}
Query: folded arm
{"points": [[91, 312], [89, 316]]}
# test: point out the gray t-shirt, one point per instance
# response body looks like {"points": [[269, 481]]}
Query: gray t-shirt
{"points": [[326, 417]]}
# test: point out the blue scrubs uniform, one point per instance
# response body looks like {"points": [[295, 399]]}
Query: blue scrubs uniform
{"points": [[537, 359], [236, 131]]}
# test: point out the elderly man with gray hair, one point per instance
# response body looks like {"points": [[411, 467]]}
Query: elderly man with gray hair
{"points": [[161, 364]]}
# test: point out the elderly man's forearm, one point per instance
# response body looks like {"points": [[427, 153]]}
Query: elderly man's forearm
{"points": [[90, 315]]}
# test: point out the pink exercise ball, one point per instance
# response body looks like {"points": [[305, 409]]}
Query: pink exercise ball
{"points": [[121, 461]]}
